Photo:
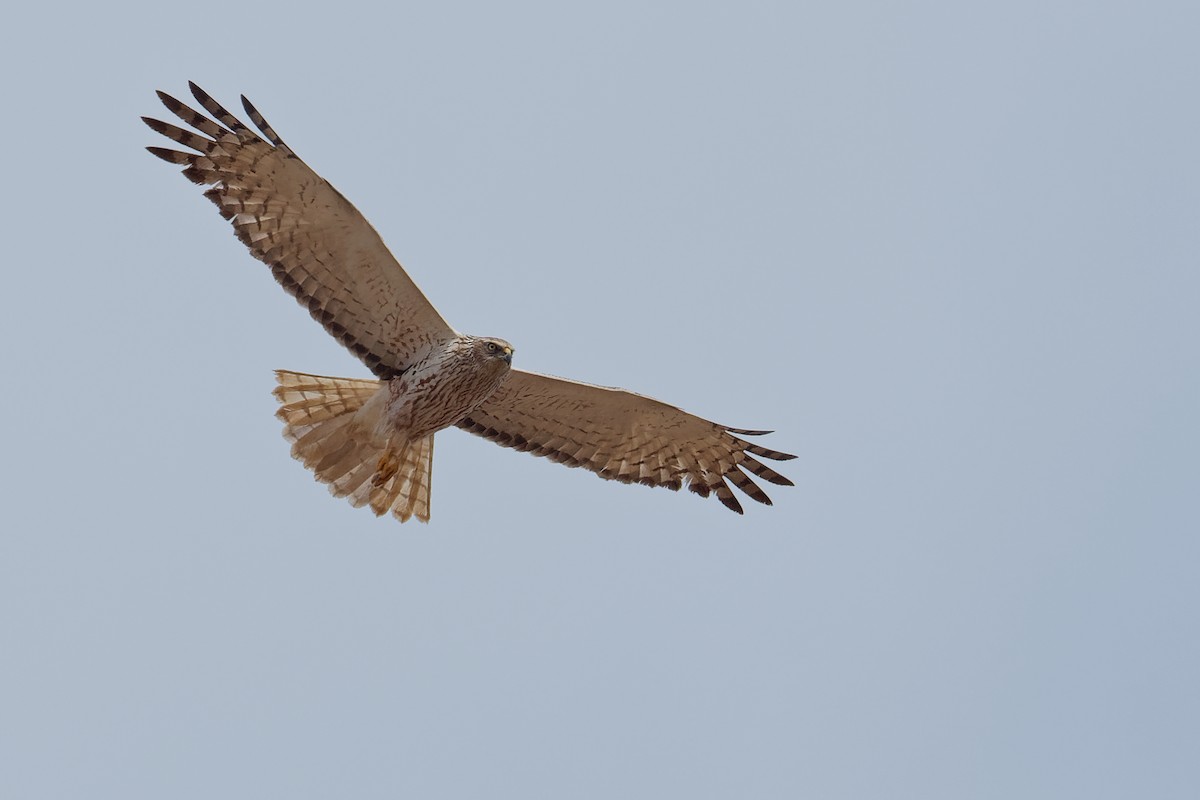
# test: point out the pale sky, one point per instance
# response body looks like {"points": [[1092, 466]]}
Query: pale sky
{"points": [[947, 251]]}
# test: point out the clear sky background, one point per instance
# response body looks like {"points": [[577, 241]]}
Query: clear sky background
{"points": [[948, 251]]}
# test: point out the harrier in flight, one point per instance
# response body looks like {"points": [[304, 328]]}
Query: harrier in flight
{"points": [[371, 441]]}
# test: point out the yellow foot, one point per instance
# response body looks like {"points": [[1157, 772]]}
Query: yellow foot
{"points": [[385, 469]]}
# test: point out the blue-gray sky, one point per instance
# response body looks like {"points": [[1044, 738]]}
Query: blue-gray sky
{"points": [[948, 251]]}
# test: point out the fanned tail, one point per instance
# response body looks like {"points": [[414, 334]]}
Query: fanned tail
{"points": [[332, 424]]}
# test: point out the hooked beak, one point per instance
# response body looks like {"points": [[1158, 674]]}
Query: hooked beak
{"points": [[508, 354]]}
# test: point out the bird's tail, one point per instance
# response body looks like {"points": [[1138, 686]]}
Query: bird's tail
{"points": [[333, 425]]}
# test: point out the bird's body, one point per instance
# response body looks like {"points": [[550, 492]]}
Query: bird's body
{"points": [[371, 441], [443, 387]]}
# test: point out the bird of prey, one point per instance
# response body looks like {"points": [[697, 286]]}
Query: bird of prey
{"points": [[371, 441]]}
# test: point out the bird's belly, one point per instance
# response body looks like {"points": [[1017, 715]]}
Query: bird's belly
{"points": [[419, 407]]}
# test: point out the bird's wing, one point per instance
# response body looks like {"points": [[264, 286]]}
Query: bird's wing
{"points": [[623, 436], [319, 247]]}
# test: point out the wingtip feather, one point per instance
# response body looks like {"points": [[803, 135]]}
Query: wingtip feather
{"points": [[726, 497], [171, 156]]}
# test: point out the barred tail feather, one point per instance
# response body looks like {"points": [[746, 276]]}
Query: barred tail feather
{"points": [[332, 424]]}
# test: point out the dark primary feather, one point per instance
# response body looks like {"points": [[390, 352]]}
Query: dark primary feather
{"points": [[217, 110], [264, 126]]}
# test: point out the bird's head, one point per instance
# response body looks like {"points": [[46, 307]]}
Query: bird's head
{"points": [[494, 351]]}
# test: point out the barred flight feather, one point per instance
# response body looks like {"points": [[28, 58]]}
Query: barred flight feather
{"points": [[587, 426], [319, 247]]}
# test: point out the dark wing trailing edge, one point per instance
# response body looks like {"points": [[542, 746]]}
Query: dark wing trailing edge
{"points": [[623, 436], [318, 246]]}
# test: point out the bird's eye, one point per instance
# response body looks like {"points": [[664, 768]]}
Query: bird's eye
{"points": [[493, 347]]}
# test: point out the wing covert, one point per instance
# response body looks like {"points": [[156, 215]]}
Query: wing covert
{"points": [[317, 244]]}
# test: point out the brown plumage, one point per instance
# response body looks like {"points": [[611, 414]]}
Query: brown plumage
{"points": [[371, 441]]}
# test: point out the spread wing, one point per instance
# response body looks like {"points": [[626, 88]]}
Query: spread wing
{"points": [[623, 436], [318, 246]]}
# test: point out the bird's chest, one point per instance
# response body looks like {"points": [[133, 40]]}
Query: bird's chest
{"points": [[430, 397]]}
